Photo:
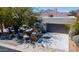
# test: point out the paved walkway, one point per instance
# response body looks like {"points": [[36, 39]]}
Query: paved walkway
{"points": [[23, 47]]}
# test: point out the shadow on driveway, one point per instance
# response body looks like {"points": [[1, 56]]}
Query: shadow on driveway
{"points": [[4, 49]]}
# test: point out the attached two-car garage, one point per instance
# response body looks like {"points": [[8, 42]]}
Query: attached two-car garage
{"points": [[57, 24], [58, 28]]}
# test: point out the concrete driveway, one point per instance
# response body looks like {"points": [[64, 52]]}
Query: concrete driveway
{"points": [[57, 41]]}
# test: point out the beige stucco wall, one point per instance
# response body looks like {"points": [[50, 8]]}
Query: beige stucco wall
{"points": [[58, 20]]}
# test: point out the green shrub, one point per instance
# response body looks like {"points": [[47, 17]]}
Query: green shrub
{"points": [[74, 28], [67, 26]]}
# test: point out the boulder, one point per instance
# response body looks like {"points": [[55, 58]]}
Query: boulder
{"points": [[76, 39]]}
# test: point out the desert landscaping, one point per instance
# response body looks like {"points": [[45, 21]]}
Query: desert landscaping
{"points": [[24, 30]]}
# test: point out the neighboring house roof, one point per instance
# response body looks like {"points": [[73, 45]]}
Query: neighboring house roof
{"points": [[54, 13]]}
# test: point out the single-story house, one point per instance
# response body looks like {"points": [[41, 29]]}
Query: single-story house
{"points": [[57, 24]]}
